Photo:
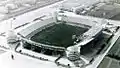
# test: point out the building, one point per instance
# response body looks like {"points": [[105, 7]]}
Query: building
{"points": [[79, 40]]}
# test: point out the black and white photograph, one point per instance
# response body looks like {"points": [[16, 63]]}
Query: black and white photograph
{"points": [[59, 33]]}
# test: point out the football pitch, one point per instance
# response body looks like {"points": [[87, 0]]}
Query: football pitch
{"points": [[58, 35]]}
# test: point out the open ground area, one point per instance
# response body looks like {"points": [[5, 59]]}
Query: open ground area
{"points": [[12, 8], [102, 10], [105, 10], [109, 63]]}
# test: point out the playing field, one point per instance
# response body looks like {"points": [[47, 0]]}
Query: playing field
{"points": [[58, 35]]}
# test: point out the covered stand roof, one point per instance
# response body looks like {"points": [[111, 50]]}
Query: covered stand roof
{"points": [[91, 34]]}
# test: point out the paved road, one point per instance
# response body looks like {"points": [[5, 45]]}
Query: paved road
{"points": [[2, 51], [101, 57], [111, 62], [23, 9], [28, 17], [14, 14]]}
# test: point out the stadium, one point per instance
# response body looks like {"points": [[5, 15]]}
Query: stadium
{"points": [[66, 38], [61, 36], [57, 36]]}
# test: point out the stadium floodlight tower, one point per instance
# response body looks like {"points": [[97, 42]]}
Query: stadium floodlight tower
{"points": [[12, 38]]}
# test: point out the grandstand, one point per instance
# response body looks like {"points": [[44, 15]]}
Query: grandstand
{"points": [[57, 35]]}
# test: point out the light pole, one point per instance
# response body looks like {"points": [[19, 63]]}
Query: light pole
{"points": [[11, 26]]}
